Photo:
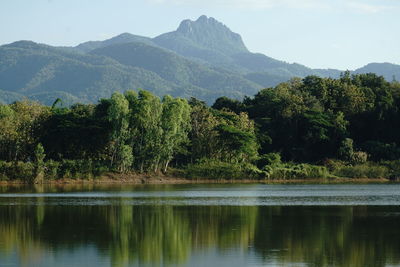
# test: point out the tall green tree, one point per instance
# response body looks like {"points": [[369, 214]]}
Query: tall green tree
{"points": [[118, 115], [175, 124], [20, 125], [146, 118], [203, 134]]}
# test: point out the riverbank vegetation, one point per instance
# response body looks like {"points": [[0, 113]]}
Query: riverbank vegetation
{"points": [[305, 128]]}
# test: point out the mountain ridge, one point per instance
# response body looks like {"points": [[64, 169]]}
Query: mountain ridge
{"points": [[201, 58]]}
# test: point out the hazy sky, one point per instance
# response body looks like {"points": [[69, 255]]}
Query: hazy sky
{"points": [[344, 34]]}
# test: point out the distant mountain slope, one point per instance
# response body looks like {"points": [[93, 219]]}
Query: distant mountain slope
{"points": [[177, 69], [44, 73], [9, 97], [387, 70], [119, 39], [212, 42], [29, 69], [202, 58]]}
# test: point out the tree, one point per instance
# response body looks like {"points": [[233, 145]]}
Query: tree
{"points": [[20, 125], [118, 112], [146, 119], [8, 132], [203, 134], [346, 149], [228, 103], [39, 164], [175, 124]]}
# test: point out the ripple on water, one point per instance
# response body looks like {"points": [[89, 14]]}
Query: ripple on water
{"points": [[226, 195]]}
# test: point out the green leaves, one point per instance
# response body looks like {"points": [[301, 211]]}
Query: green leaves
{"points": [[118, 112], [146, 132], [20, 125]]}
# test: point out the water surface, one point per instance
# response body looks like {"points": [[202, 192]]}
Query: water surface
{"points": [[200, 225]]}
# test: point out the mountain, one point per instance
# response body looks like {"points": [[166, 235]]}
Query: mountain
{"points": [[177, 69], [202, 58], [119, 39], [211, 42], [387, 70], [35, 70], [9, 97], [205, 39], [44, 73]]}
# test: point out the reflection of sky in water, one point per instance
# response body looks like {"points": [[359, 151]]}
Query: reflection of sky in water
{"points": [[83, 256], [89, 256], [235, 195]]}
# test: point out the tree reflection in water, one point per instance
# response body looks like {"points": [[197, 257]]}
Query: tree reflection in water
{"points": [[170, 235]]}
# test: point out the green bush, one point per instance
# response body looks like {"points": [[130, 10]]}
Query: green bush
{"points": [[26, 171], [269, 159], [212, 169], [382, 151], [359, 157], [99, 167], [4, 170], [51, 169], [394, 168], [80, 169], [288, 171], [17, 170], [333, 164], [363, 171], [176, 172]]}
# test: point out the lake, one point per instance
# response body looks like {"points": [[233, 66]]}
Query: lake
{"points": [[200, 225]]}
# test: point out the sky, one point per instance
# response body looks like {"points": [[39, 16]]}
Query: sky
{"points": [[340, 34]]}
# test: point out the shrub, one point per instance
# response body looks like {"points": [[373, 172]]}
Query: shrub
{"points": [[333, 164], [212, 169], [4, 170], [394, 168], [346, 149], [51, 169], [290, 171], [269, 159], [80, 169], [363, 171], [382, 151], [17, 170], [27, 171], [99, 167], [176, 172], [359, 157]]}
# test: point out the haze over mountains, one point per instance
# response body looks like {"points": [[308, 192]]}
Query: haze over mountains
{"points": [[202, 58]]}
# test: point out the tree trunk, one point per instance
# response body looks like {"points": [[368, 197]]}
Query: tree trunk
{"points": [[166, 166]]}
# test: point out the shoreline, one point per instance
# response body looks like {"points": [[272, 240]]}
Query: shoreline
{"points": [[145, 179]]}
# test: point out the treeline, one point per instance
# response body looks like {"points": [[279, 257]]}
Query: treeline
{"points": [[318, 127], [339, 123], [128, 132]]}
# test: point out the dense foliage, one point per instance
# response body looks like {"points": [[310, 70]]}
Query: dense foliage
{"points": [[130, 132], [347, 127]]}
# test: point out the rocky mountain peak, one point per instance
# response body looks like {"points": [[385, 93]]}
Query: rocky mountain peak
{"points": [[209, 32]]}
